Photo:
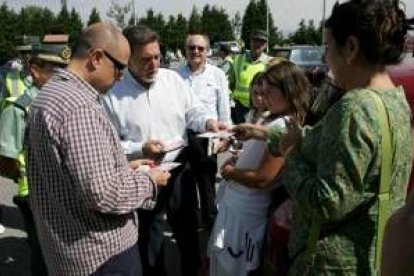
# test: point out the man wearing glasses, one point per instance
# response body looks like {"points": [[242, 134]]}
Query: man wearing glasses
{"points": [[83, 194], [209, 84], [151, 108]]}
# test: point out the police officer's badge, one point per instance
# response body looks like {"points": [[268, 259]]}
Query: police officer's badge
{"points": [[66, 53]]}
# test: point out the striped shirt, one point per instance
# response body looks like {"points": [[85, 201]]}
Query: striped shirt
{"points": [[83, 193]]}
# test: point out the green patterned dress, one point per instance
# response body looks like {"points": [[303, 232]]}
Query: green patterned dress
{"points": [[333, 177]]}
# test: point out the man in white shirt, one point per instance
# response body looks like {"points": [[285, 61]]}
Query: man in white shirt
{"points": [[151, 109], [209, 84]]}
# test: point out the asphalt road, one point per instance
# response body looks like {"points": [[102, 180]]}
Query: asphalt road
{"points": [[15, 251]]}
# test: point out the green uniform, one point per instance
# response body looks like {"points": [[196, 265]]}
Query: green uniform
{"points": [[13, 84], [333, 177], [244, 71], [12, 128]]}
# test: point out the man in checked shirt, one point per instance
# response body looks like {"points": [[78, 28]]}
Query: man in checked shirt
{"points": [[83, 193]]}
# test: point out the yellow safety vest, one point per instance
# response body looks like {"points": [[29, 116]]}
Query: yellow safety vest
{"points": [[15, 84], [244, 72], [23, 102]]}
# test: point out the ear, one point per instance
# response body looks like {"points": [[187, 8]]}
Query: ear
{"points": [[34, 70], [96, 58], [351, 49]]}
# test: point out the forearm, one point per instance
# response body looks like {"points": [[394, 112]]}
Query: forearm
{"points": [[121, 193], [249, 178]]}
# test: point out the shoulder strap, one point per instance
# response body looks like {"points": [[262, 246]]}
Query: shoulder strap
{"points": [[385, 180], [24, 101], [383, 194]]}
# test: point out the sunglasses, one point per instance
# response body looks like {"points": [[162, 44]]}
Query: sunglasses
{"points": [[199, 48], [117, 64]]}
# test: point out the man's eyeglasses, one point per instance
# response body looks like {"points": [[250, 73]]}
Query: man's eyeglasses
{"points": [[120, 67], [199, 48]]}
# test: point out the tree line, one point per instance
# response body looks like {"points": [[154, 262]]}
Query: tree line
{"points": [[210, 20]]}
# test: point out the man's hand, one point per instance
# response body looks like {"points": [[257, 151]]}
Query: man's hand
{"points": [[215, 126], [248, 131], [135, 164], [160, 177], [153, 149]]}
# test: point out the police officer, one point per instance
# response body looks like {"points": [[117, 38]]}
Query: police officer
{"points": [[14, 76], [245, 67], [44, 58]]}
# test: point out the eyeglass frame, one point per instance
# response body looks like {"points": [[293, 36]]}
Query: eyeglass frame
{"points": [[199, 48], [119, 66]]}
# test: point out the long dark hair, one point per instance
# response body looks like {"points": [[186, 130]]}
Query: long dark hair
{"points": [[379, 26], [294, 86]]}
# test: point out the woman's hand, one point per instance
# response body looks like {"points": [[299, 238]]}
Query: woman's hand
{"points": [[248, 131], [135, 164], [290, 139], [227, 169]]}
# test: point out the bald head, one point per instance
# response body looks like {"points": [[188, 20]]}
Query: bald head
{"points": [[100, 56], [105, 36]]}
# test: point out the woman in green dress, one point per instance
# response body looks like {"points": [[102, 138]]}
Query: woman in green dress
{"points": [[332, 170]]}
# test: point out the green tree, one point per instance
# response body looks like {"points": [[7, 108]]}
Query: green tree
{"points": [[75, 26], [216, 24], [155, 22], [94, 17], [8, 21], [255, 18], [195, 21], [307, 33], [35, 21], [119, 13], [249, 22], [179, 32]]}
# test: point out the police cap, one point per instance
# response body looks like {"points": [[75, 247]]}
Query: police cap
{"points": [[25, 42], [259, 35], [54, 48]]}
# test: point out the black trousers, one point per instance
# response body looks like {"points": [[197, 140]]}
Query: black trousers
{"points": [[127, 263], [204, 168], [37, 263], [179, 200], [238, 113]]}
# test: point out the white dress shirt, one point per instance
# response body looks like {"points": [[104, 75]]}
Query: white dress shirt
{"points": [[163, 111], [210, 86]]}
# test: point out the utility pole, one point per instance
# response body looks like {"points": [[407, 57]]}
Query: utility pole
{"points": [[323, 15], [134, 12], [267, 25]]}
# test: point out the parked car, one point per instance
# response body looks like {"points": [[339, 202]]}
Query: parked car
{"points": [[307, 57], [234, 46]]}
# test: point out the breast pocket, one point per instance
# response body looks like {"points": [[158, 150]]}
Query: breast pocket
{"points": [[209, 95]]}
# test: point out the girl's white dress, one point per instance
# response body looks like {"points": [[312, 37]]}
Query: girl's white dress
{"points": [[237, 237]]}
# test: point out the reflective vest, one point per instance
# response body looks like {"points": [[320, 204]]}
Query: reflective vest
{"points": [[15, 84], [22, 102], [244, 72]]}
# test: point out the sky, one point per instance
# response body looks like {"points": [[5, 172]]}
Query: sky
{"points": [[286, 13]]}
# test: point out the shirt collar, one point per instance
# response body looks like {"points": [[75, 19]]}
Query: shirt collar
{"points": [[190, 73], [66, 75]]}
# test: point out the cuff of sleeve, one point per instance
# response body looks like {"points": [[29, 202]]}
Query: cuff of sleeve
{"points": [[131, 148], [9, 154], [273, 137], [150, 202]]}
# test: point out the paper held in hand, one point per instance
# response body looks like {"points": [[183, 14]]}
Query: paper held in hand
{"points": [[220, 134]]}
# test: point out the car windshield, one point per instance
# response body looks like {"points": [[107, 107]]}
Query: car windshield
{"points": [[307, 55]]}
